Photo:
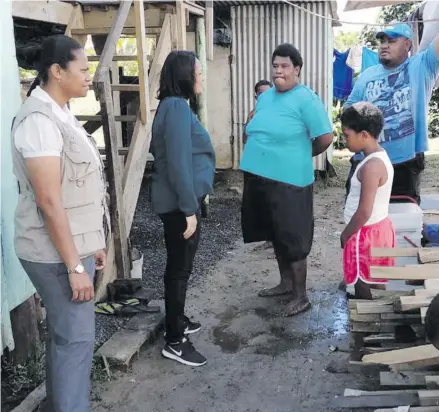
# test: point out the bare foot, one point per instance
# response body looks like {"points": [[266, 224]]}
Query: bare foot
{"points": [[297, 306], [278, 290]]}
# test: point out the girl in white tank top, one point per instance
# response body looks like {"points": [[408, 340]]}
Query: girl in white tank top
{"points": [[366, 211]]}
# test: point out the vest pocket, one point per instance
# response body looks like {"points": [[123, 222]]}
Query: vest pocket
{"points": [[82, 184]]}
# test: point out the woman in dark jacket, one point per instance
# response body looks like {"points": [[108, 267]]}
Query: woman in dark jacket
{"points": [[184, 167]]}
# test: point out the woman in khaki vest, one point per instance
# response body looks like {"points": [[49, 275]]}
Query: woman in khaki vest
{"points": [[60, 214]]}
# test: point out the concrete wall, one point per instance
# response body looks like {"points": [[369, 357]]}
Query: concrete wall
{"points": [[219, 100], [15, 285]]}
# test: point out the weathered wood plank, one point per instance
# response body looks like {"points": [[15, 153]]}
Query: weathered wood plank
{"points": [[98, 118], [410, 409], [55, 12], [125, 88], [143, 60], [428, 397], [368, 307], [110, 45], [209, 30], [366, 401], [414, 355], [410, 272], [432, 381], [200, 46], [114, 177], [430, 255], [406, 303], [405, 379], [181, 25], [395, 252], [431, 284]]}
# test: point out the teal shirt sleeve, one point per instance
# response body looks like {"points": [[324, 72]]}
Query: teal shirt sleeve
{"points": [[315, 117]]}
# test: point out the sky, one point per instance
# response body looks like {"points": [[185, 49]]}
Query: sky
{"points": [[361, 16]]}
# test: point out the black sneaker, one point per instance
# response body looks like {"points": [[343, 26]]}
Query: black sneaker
{"points": [[184, 352], [191, 327]]}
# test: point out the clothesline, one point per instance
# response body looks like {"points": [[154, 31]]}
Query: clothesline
{"points": [[349, 22]]}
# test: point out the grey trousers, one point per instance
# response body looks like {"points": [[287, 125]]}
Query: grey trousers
{"points": [[71, 336]]}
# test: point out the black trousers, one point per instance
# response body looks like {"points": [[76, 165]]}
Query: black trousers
{"points": [[180, 257], [407, 178]]}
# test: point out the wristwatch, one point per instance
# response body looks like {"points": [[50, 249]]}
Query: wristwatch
{"points": [[78, 269]]}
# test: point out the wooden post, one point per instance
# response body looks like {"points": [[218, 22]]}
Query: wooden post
{"points": [[139, 12], [200, 44], [181, 24], [114, 177], [76, 21], [209, 30], [24, 321]]}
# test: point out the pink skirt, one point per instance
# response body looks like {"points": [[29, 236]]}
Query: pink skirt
{"points": [[356, 254]]}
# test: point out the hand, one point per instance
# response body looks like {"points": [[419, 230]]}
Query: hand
{"points": [[191, 222], [82, 287], [100, 259]]}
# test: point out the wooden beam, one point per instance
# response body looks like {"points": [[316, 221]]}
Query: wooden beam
{"points": [[405, 379], [416, 355], [209, 30], [76, 21], [110, 44], [431, 284], [125, 88], [99, 19], [118, 58], [174, 32], [164, 47], [407, 303], [409, 272], [54, 12], [181, 25], [395, 252], [142, 55], [114, 177], [429, 255], [194, 8], [200, 45], [129, 31]]}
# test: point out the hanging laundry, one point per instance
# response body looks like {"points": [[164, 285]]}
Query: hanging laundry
{"points": [[343, 75], [355, 57], [370, 58]]}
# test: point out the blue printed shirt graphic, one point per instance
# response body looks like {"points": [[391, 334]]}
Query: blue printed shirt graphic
{"points": [[402, 94]]}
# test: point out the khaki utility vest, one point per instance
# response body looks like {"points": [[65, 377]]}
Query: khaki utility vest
{"points": [[83, 194]]}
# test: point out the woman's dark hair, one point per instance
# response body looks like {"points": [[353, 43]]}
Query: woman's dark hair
{"points": [[56, 49], [363, 116], [288, 50], [177, 78], [261, 83]]}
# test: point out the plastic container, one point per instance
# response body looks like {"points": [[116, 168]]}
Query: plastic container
{"points": [[137, 270]]}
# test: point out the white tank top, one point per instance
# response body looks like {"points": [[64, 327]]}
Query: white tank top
{"points": [[381, 206]]}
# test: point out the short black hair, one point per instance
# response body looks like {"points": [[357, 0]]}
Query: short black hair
{"points": [[261, 83], [57, 49], [288, 50], [177, 78], [363, 116], [432, 322]]}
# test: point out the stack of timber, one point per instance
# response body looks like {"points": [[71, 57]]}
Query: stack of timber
{"points": [[391, 328]]}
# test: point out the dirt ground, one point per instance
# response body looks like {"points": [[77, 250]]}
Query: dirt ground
{"points": [[257, 361]]}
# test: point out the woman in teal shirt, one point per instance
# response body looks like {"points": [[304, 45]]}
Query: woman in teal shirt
{"points": [[289, 128]]}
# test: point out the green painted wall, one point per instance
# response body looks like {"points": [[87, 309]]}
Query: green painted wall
{"points": [[15, 285]]}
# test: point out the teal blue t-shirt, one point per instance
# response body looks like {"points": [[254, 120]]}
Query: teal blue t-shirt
{"points": [[279, 137]]}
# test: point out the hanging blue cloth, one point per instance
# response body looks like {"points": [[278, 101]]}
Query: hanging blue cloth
{"points": [[343, 75], [370, 58]]}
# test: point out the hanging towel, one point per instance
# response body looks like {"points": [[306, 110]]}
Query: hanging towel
{"points": [[343, 75], [370, 58], [355, 57]]}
